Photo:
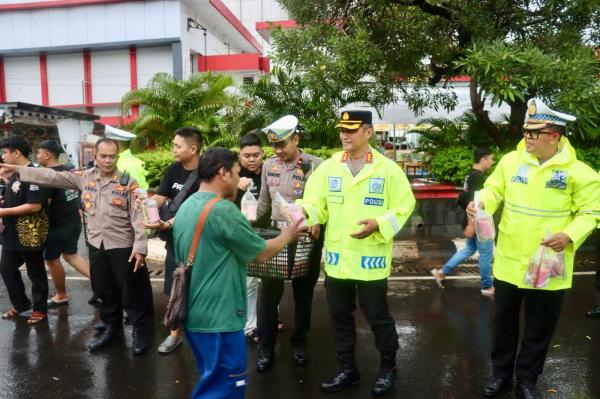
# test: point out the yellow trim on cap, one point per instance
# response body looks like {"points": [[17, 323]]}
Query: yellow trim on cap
{"points": [[536, 125], [352, 125]]}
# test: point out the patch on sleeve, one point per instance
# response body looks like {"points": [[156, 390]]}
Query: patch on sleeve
{"points": [[376, 185], [335, 184], [34, 187], [558, 180]]}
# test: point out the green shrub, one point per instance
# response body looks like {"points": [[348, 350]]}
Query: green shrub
{"points": [[451, 165], [590, 156], [156, 163]]}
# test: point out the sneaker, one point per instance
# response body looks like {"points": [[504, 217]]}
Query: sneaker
{"points": [[488, 291], [438, 276], [170, 344]]}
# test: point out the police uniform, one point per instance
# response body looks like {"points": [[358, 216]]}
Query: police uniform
{"points": [[126, 161], [340, 198], [558, 195], [115, 231], [287, 179]]}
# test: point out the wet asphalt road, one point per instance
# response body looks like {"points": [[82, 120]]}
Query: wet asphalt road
{"points": [[444, 346]]}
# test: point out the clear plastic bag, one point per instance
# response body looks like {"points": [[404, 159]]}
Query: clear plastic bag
{"points": [[291, 212], [544, 264], [249, 206], [484, 223]]}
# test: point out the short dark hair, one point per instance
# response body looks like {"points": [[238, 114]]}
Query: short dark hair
{"points": [[214, 159], [53, 147], [17, 142], [250, 139], [190, 133], [559, 129], [481, 152], [106, 140]]}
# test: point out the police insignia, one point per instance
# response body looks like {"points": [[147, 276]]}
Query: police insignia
{"points": [[376, 185], [558, 180], [87, 205], [521, 176], [369, 157], [532, 108], [335, 184], [120, 188], [274, 168], [373, 201], [87, 196], [92, 183], [345, 116], [117, 201]]}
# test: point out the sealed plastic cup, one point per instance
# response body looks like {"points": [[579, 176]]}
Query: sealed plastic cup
{"points": [[151, 211]]}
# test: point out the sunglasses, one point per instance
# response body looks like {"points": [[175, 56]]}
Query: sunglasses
{"points": [[534, 134]]}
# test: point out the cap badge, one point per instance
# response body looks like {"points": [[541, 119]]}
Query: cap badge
{"points": [[345, 116], [532, 108]]}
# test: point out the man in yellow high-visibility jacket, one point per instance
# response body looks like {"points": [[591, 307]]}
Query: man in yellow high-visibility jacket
{"points": [[127, 162], [364, 198], [551, 199]]}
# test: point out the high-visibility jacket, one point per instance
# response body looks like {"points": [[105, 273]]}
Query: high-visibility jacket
{"points": [[561, 195], [134, 166], [333, 196]]}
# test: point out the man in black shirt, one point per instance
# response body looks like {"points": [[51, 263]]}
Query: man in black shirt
{"points": [[251, 161], [25, 216], [484, 160], [186, 149], [65, 226]]}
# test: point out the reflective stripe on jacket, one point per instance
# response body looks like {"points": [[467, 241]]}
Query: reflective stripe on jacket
{"points": [[333, 196], [561, 195]]}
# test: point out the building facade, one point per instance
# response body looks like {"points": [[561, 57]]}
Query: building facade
{"points": [[83, 55]]}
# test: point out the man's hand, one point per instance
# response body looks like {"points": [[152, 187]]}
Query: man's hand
{"points": [[1, 212], [139, 260], [557, 242], [315, 232], [244, 183], [294, 231], [159, 226], [6, 171], [472, 209], [370, 226]]}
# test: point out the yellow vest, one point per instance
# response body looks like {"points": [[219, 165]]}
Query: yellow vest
{"points": [[134, 166], [333, 196], [561, 195]]}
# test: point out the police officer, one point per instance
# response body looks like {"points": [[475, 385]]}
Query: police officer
{"points": [[117, 240], [127, 162], [365, 199], [286, 174], [550, 199]]}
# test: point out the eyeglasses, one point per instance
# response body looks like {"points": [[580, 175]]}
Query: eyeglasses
{"points": [[534, 134]]}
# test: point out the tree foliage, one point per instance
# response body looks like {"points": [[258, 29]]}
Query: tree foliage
{"points": [[513, 50], [167, 104]]}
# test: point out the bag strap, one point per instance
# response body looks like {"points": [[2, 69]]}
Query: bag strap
{"points": [[178, 200], [199, 229]]}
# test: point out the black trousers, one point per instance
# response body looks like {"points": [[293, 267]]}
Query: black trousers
{"points": [[542, 310], [36, 270], [372, 297], [271, 291], [119, 287]]}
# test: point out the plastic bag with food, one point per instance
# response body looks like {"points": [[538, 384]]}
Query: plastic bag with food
{"points": [[544, 264], [249, 205], [291, 212], [484, 222]]}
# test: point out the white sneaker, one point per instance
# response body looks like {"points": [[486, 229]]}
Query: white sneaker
{"points": [[438, 276], [170, 344], [489, 291]]}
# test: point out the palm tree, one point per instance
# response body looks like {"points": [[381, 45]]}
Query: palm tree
{"points": [[168, 104]]}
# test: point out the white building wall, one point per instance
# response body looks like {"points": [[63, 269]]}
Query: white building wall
{"points": [[152, 60], [65, 78], [111, 76], [88, 25], [23, 79]]}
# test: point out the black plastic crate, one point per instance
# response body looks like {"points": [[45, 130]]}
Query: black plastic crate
{"points": [[292, 262]]}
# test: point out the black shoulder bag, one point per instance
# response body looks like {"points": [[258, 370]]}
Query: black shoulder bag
{"points": [[170, 207]]}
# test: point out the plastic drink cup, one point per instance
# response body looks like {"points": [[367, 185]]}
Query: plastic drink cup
{"points": [[296, 213], [249, 209], [151, 211]]}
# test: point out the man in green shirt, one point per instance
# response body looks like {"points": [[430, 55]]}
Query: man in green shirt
{"points": [[217, 293]]}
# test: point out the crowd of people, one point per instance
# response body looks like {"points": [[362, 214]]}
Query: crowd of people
{"points": [[353, 205]]}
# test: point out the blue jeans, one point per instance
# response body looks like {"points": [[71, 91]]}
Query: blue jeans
{"points": [[221, 361], [485, 249]]}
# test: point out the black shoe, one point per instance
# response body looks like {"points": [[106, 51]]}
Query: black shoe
{"points": [[100, 327], [384, 382], [264, 361], [527, 390], [342, 379], [139, 345], [494, 386], [300, 356], [104, 339], [594, 313]]}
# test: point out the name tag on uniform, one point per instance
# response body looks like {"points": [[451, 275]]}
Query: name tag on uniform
{"points": [[521, 176], [335, 184], [373, 201], [376, 185], [558, 180]]}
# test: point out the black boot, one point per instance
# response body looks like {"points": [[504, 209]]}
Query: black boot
{"points": [[527, 390], [594, 313], [264, 360], [494, 386], [384, 382], [100, 327], [300, 356], [139, 345], [346, 375], [104, 339]]}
